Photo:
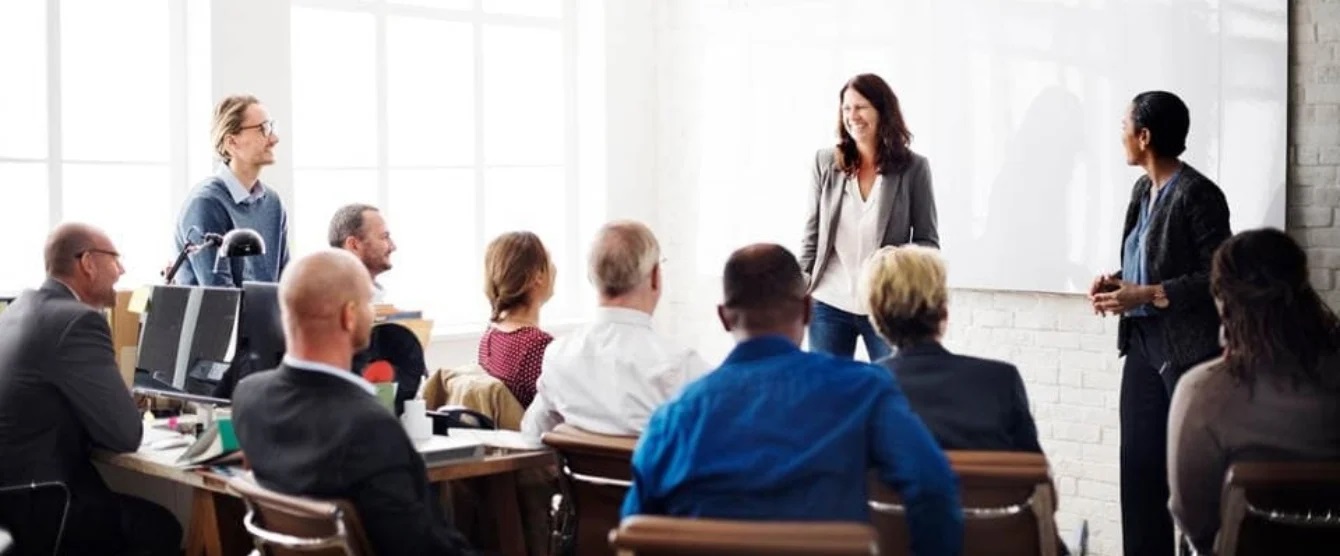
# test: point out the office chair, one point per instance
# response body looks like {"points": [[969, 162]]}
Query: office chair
{"points": [[27, 524]]}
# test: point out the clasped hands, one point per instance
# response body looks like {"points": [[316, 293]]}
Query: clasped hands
{"points": [[1111, 295]]}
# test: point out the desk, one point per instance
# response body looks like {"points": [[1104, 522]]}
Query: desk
{"points": [[216, 512]]}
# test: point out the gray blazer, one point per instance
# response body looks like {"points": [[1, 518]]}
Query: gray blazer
{"points": [[908, 210]]}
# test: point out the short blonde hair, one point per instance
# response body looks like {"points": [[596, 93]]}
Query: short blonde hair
{"points": [[622, 256], [228, 116], [909, 298]]}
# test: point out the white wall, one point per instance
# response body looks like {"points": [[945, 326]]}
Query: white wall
{"points": [[1067, 355]]}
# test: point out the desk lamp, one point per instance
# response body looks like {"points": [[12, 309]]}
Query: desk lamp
{"points": [[239, 243]]}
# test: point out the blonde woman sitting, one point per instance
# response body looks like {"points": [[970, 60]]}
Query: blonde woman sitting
{"points": [[967, 403]]}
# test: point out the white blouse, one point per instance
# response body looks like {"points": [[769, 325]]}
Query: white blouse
{"points": [[857, 238]]}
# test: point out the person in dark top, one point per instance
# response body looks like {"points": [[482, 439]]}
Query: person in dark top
{"points": [[1175, 220], [62, 395], [313, 428], [968, 403]]}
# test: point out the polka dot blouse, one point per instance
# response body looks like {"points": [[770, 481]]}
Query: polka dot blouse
{"points": [[514, 358]]}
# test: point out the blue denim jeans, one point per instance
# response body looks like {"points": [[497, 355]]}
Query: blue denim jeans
{"points": [[834, 331]]}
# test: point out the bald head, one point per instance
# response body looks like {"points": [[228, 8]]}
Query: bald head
{"points": [[66, 243], [83, 258], [623, 256], [763, 290], [326, 296]]}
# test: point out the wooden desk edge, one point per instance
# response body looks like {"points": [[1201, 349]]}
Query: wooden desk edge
{"points": [[215, 482]]}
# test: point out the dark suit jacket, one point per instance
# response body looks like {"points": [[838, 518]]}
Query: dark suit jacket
{"points": [[391, 343], [312, 434], [61, 394], [1187, 226], [907, 211], [966, 402]]}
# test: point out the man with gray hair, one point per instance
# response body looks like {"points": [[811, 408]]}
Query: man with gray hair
{"points": [[609, 376], [361, 230]]}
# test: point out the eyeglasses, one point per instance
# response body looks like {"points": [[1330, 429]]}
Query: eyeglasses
{"points": [[112, 254], [267, 128]]}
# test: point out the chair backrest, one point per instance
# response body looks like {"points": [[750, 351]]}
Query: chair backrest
{"points": [[1280, 508], [645, 535], [1008, 506], [282, 524], [35, 514], [596, 473]]}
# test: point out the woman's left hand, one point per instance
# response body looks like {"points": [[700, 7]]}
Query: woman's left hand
{"points": [[1127, 296]]}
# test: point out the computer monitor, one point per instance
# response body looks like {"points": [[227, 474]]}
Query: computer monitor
{"points": [[189, 335], [261, 332]]}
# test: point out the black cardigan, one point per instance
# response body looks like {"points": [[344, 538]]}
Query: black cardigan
{"points": [[1187, 226]]}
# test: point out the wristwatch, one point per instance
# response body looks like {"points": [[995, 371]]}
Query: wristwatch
{"points": [[1160, 300]]}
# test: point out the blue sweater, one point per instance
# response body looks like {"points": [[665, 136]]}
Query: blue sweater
{"points": [[219, 204]]}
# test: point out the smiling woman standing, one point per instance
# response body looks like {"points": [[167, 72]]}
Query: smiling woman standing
{"points": [[868, 191]]}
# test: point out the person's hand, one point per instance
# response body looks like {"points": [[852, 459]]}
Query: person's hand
{"points": [[1102, 284], [1124, 297]]}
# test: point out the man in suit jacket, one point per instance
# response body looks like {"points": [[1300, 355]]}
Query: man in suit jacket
{"points": [[61, 394], [313, 428]]}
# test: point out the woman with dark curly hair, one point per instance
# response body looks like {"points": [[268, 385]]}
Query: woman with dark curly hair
{"points": [[868, 191], [1275, 392]]}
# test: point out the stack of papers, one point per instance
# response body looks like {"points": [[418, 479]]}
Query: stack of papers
{"points": [[505, 439]]}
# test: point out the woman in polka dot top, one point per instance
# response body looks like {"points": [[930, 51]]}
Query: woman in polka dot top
{"points": [[518, 280]]}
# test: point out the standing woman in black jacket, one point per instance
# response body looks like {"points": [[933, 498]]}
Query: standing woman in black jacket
{"points": [[1175, 221]]}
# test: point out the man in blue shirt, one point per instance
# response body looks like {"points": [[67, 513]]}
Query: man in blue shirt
{"points": [[779, 434], [234, 197]]}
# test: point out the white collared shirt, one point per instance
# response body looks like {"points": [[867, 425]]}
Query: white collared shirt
{"points": [[241, 194], [856, 238], [609, 376], [314, 367]]}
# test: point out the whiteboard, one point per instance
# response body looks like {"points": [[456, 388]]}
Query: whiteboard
{"points": [[1017, 104]]}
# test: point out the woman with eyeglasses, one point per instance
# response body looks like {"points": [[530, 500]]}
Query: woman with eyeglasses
{"points": [[1274, 394], [234, 197]]}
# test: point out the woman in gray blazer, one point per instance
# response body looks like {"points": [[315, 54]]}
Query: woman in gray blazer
{"points": [[868, 191]]}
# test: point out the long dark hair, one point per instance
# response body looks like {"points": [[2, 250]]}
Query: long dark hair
{"points": [[892, 153], [1274, 322]]}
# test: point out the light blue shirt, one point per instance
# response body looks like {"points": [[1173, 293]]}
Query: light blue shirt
{"points": [[241, 194], [322, 368], [1135, 250]]}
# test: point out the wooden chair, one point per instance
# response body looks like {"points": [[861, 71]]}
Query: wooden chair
{"points": [[595, 471], [1008, 506], [1280, 508], [645, 535], [283, 525]]}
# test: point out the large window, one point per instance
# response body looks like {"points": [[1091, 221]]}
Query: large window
{"points": [[94, 111], [457, 118]]}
